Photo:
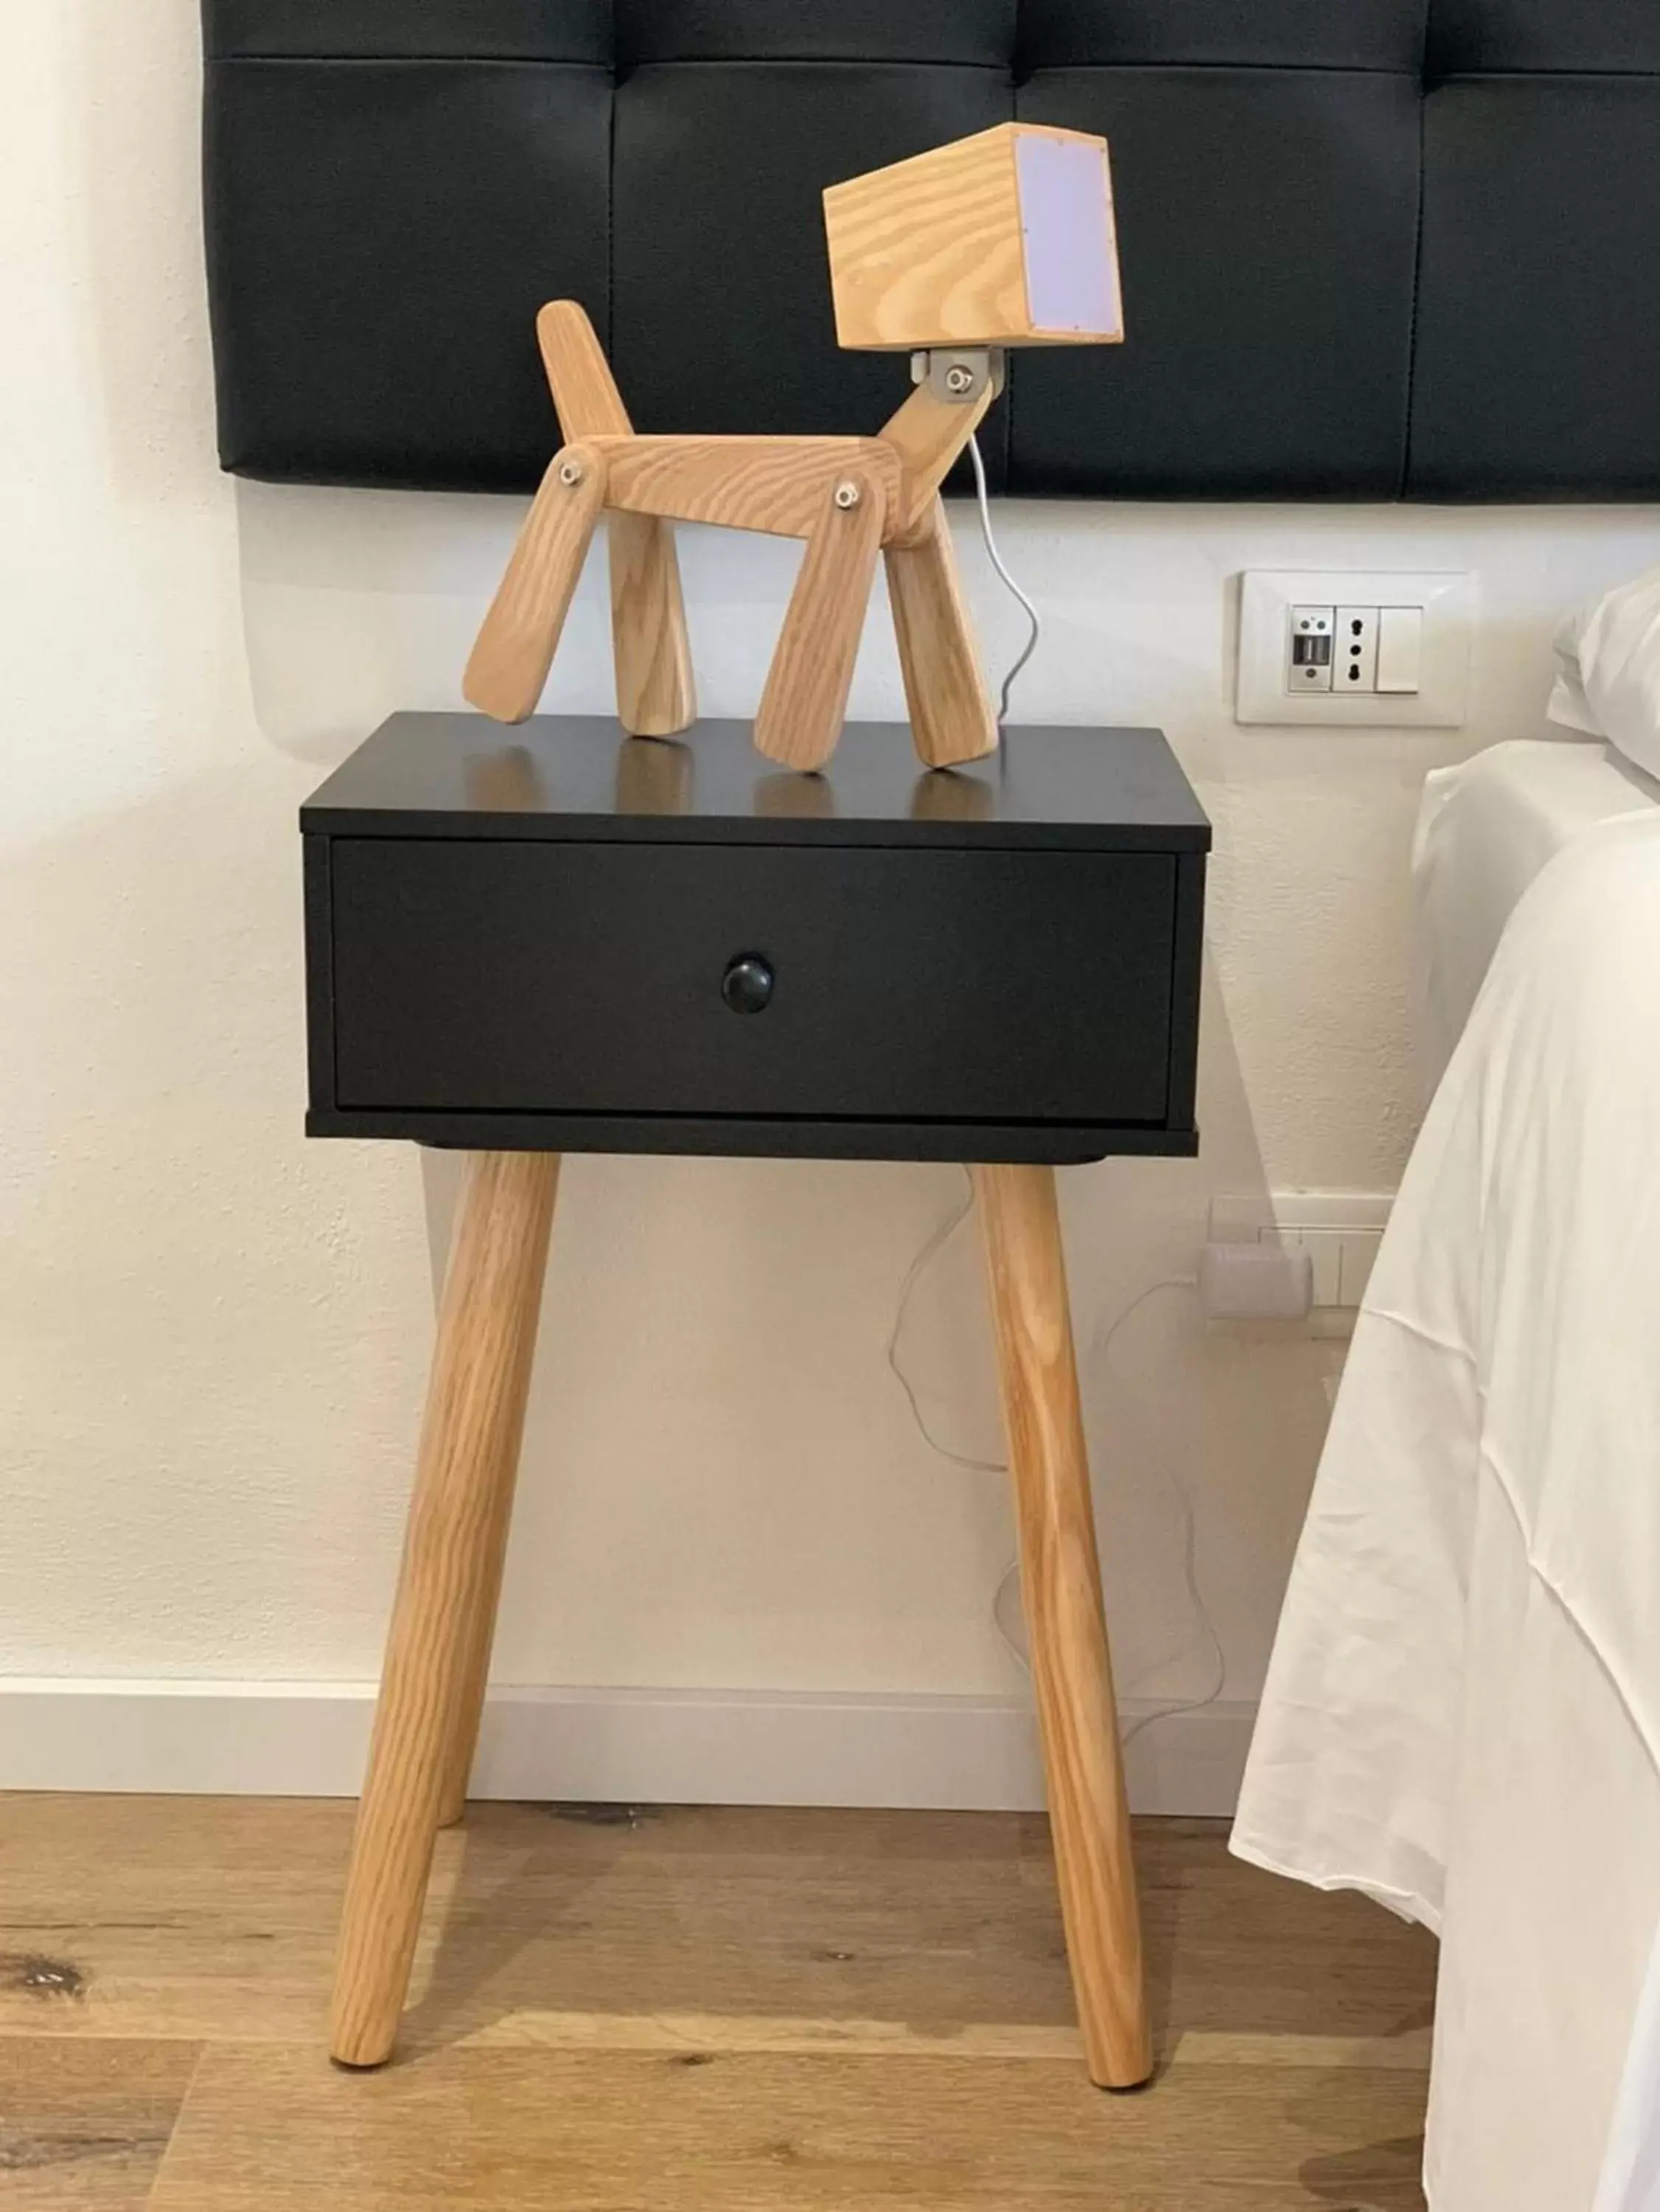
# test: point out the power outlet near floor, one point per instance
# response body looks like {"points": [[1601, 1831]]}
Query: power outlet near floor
{"points": [[1340, 1232]]}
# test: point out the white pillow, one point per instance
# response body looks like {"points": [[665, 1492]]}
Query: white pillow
{"points": [[1609, 680]]}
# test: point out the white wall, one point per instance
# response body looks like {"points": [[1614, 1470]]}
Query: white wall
{"points": [[212, 1334]]}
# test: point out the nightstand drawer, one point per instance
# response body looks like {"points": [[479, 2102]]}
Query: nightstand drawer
{"points": [[884, 984]]}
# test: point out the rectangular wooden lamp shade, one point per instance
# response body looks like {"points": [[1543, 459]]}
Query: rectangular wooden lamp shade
{"points": [[1005, 239]]}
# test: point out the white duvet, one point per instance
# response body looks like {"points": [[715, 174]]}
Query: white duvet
{"points": [[1463, 1714]]}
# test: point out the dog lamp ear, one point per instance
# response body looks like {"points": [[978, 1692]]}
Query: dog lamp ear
{"points": [[1005, 239]]}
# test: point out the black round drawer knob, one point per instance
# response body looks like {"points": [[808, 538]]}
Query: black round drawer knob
{"points": [[747, 984]]}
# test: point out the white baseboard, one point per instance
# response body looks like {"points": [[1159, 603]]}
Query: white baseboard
{"points": [[647, 1746]]}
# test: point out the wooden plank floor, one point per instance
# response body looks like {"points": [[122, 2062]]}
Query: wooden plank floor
{"points": [[683, 2010]]}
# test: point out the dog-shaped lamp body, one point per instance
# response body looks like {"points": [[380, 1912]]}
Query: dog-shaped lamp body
{"points": [[1003, 238]]}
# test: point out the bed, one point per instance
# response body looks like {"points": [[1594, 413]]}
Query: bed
{"points": [[1463, 1714], [1485, 830]]}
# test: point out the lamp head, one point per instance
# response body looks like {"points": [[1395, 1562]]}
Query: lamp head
{"points": [[1005, 239]]}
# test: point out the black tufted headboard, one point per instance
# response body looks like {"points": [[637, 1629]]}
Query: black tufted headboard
{"points": [[1371, 251]]}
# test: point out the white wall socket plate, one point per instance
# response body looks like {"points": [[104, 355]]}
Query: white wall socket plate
{"points": [[1271, 601], [1340, 1232]]}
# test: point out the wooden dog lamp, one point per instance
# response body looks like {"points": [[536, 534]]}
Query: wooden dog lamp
{"points": [[1003, 238]]}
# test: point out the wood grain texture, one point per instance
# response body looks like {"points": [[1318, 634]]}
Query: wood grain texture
{"points": [[804, 702], [215, 1918], [515, 648], [928, 252], [928, 432], [620, 2007], [952, 717], [1005, 2040], [1061, 1585], [172, 1918], [712, 2130], [777, 485], [656, 695], [437, 1650], [500, 1440], [579, 376], [84, 2125]]}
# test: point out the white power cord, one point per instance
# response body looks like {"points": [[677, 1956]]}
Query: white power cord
{"points": [[1102, 1343], [1004, 1596], [936, 1243], [996, 558]]}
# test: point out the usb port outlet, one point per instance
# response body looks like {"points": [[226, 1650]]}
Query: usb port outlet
{"points": [[1309, 661]]}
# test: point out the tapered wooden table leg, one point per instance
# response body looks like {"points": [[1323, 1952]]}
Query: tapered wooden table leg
{"points": [[437, 1650], [484, 1597], [1060, 1582], [476, 1636]]}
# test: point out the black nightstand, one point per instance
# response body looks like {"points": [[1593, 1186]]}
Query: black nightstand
{"points": [[524, 939], [558, 939]]}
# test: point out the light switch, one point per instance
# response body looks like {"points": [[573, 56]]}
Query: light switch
{"points": [[1399, 648]]}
